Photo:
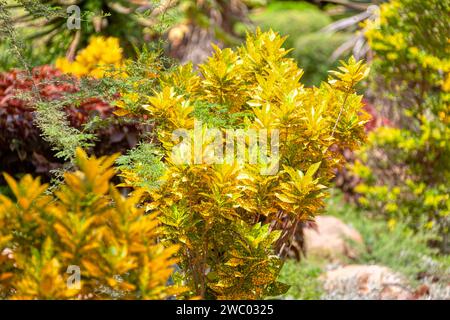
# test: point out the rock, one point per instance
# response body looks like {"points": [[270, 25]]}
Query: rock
{"points": [[331, 239], [365, 282], [7, 253]]}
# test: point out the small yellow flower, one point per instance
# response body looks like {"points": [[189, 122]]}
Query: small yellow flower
{"points": [[392, 56], [392, 223], [95, 60], [414, 51]]}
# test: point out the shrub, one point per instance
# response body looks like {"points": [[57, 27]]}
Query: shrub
{"points": [[229, 217], [406, 167], [345, 179], [189, 25], [10, 61], [292, 23], [87, 224], [314, 51], [311, 48], [290, 5]]}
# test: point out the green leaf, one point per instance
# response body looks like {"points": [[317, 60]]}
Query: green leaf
{"points": [[313, 169]]}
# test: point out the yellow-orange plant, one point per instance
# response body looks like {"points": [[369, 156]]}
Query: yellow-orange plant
{"points": [[230, 219], [95, 60], [87, 226]]}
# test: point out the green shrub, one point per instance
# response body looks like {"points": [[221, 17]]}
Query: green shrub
{"points": [[292, 23], [118, 19], [312, 49], [290, 5], [406, 167], [313, 52]]}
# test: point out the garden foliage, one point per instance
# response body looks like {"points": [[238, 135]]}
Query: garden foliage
{"points": [[228, 218], [406, 166], [314, 53], [194, 220], [189, 25], [86, 224]]}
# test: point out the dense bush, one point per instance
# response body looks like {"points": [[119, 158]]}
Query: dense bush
{"points": [[345, 179], [314, 52], [228, 217], [88, 225], [406, 167]]}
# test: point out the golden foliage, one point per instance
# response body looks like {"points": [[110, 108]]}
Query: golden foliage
{"points": [[95, 60], [225, 216], [88, 224]]}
